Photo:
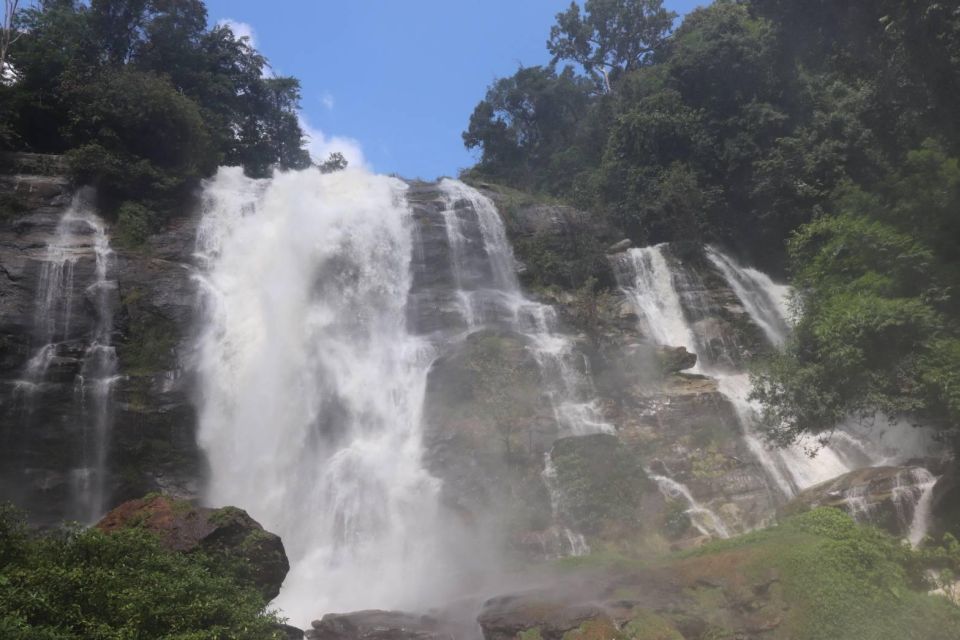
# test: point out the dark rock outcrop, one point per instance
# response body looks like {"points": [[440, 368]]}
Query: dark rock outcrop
{"points": [[380, 625], [945, 502], [552, 615], [228, 532]]}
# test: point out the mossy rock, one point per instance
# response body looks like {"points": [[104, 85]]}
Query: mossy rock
{"points": [[647, 625], [601, 481], [254, 555]]}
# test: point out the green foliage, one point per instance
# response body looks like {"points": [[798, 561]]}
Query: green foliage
{"points": [[601, 482], [146, 99], [676, 520], [133, 225], [879, 330], [612, 36], [843, 580], [335, 162], [525, 125], [740, 126], [88, 584]]}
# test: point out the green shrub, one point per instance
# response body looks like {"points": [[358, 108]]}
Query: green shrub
{"points": [[87, 584], [133, 225]]}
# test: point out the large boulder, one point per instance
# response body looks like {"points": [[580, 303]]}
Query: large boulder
{"points": [[380, 625], [543, 615], [229, 532]]}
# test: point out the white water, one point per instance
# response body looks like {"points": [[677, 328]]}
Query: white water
{"points": [[572, 542], [703, 519], [490, 294], [94, 385], [765, 300], [79, 233], [913, 497], [651, 283], [647, 280], [313, 387]]}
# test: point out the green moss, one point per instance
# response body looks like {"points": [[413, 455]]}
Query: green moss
{"points": [[601, 481], [676, 520], [842, 580], [647, 625], [134, 225], [10, 206], [530, 634], [224, 515], [150, 344]]}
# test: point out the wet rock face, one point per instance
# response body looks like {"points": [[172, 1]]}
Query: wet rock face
{"points": [[152, 443], [487, 427], [228, 532], [556, 244], [602, 485], [886, 497], [431, 304], [726, 335], [380, 625]]}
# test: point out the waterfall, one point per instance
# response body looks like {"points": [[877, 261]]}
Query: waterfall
{"points": [[94, 385], [312, 386], [651, 282], [78, 233], [571, 542], [487, 286], [764, 300], [703, 519], [647, 280], [912, 497]]}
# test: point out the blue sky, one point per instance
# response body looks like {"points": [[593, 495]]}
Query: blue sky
{"points": [[392, 83]]}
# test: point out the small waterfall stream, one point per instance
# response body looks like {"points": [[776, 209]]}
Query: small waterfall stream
{"points": [[79, 233], [651, 280], [490, 294]]}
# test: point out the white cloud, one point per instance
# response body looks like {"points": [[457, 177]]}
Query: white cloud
{"points": [[320, 145], [240, 30], [327, 100]]}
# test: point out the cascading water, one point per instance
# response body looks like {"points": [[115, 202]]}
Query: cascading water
{"points": [[703, 519], [94, 385], [490, 294], [764, 299], [650, 280], [912, 497], [572, 543], [313, 386], [79, 233]]}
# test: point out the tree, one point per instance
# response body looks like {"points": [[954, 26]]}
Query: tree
{"points": [[611, 36], [334, 162], [526, 121], [8, 34]]}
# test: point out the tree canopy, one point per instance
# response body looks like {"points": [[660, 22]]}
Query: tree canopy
{"points": [[145, 99]]}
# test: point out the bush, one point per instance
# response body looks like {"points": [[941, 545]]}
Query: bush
{"points": [[87, 584], [133, 225]]}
